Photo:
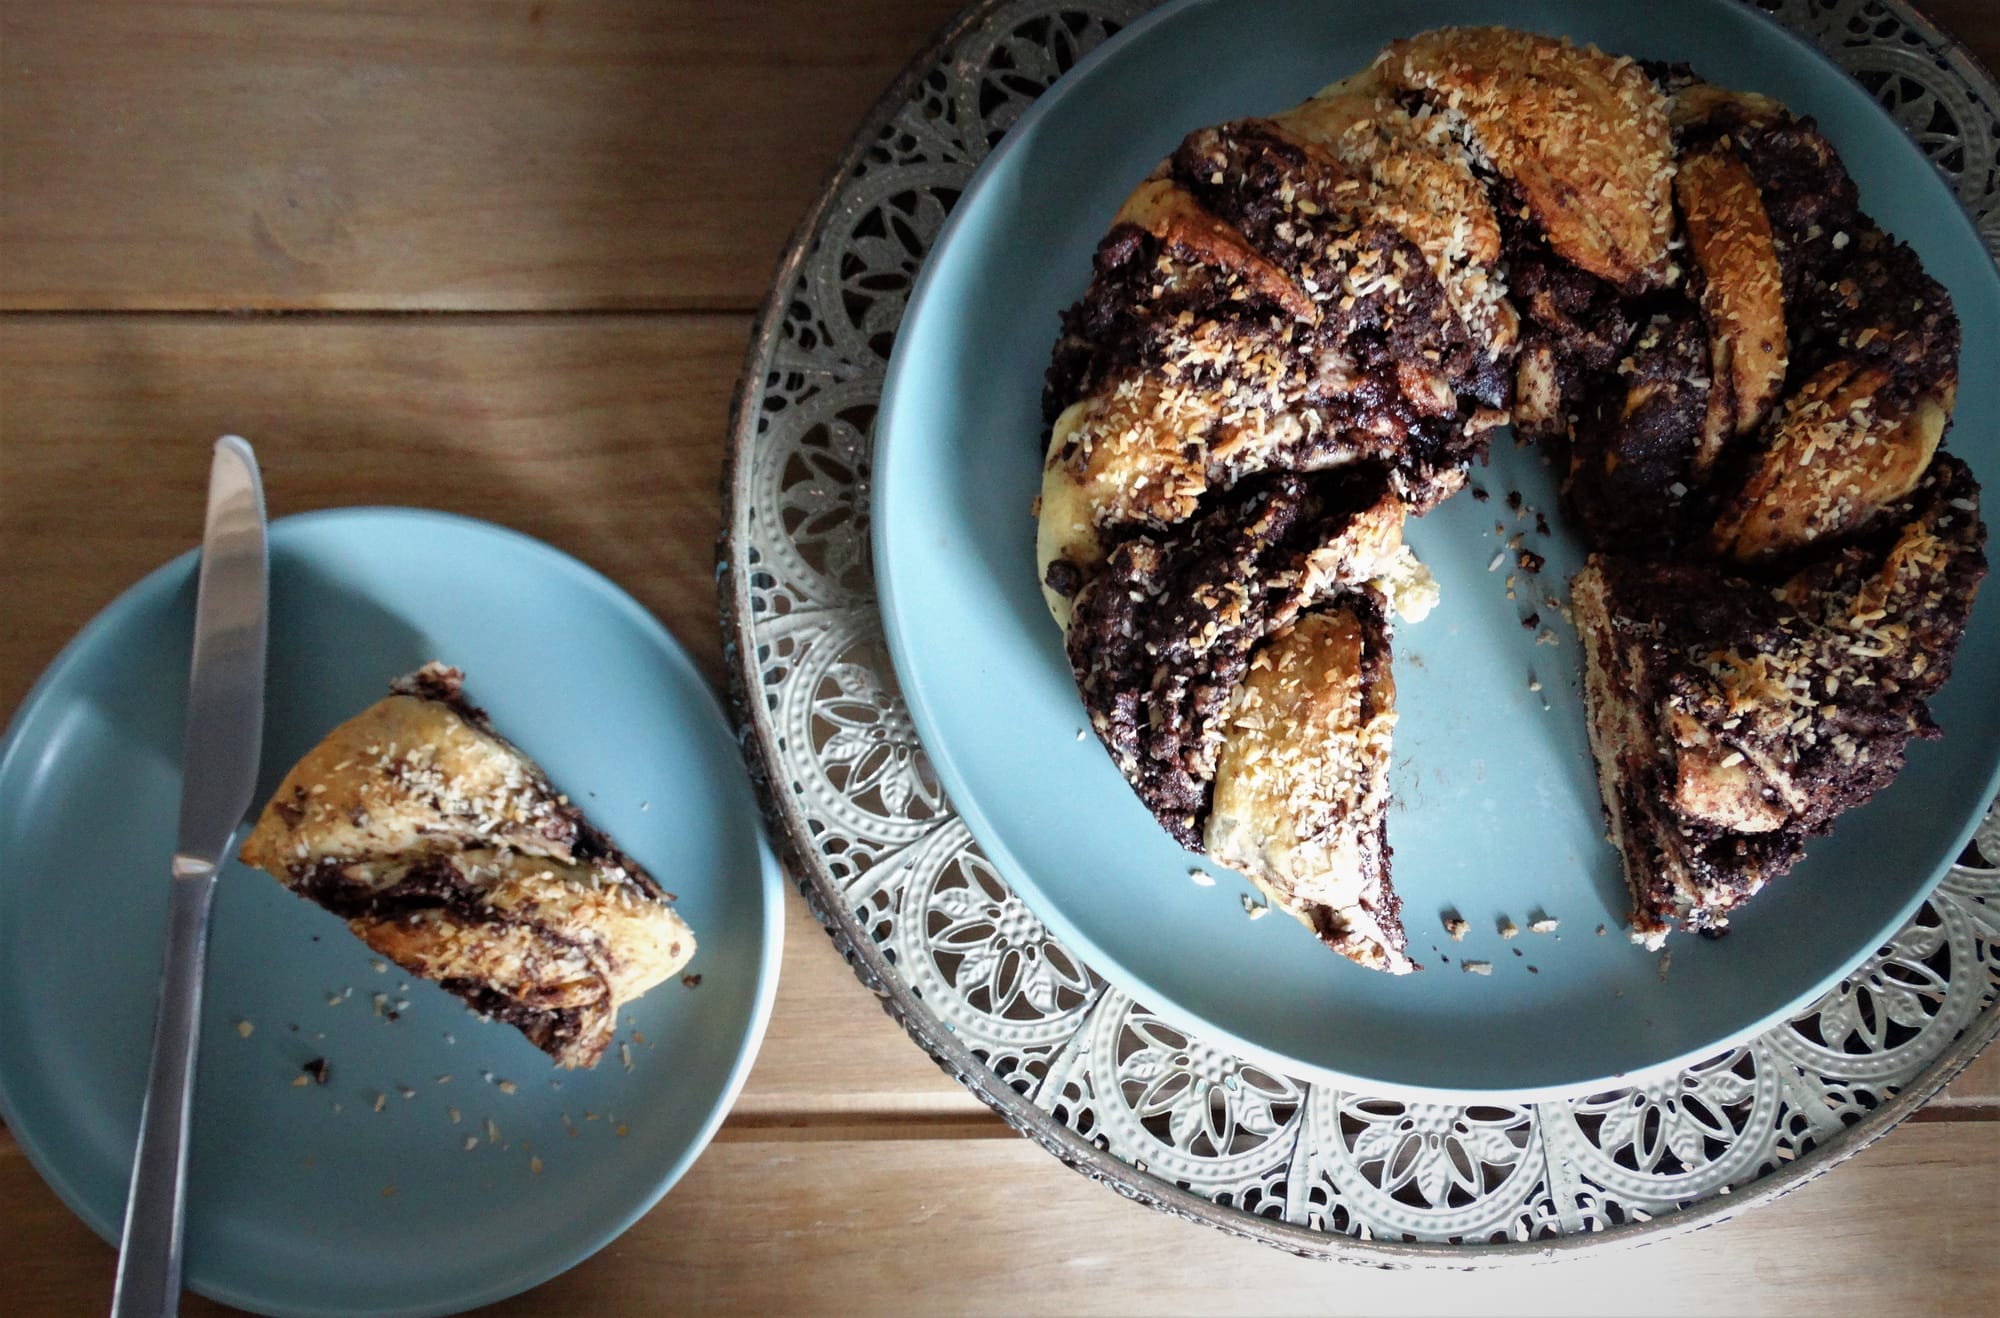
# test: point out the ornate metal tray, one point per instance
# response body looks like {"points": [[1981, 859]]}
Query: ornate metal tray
{"points": [[1073, 1063]]}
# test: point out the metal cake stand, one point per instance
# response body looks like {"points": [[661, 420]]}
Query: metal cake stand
{"points": [[1162, 1116]]}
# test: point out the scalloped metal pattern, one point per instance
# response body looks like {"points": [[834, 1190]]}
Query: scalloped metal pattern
{"points": [[972, 973]]}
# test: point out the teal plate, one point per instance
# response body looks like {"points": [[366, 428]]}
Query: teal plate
{"points": [[311, 1200], [1496, 811]]}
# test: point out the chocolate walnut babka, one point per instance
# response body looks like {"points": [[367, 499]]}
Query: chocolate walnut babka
{"points": [[1300, 330]]}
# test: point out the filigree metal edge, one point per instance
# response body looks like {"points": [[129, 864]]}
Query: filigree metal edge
{"points": [[951, 1055]]}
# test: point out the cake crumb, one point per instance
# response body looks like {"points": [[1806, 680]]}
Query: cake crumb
{"points": [[1476, 967], [1534, 683], [406, 1091], [1456, 925], [1508, 928], [1666, 963], [316, 1070], [625, 1055], [379, 966], [1600, 931], [1499, 557], [1546, 637], [535, 1166], [622, 1132], [1079, 734], [381, 1101], [1534, 970], [300, 1082], [492, 1131], [1543, 924], [471, 1143], [1202, 878], [1255, 909], [507, 1086], [444, 1079], [245, 1029], [452, 1112], [690, 981]]}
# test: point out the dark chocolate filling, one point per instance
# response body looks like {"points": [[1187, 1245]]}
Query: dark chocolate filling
{"points": [[1164, 633]]}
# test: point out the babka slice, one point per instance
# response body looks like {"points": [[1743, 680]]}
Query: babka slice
{"points": [[1732, 719], [447, 851]]}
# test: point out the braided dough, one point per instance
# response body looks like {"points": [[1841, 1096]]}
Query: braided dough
{"points": [[1301, 328]]}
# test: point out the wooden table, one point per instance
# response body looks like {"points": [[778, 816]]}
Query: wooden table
{"points": [[500, 258]]}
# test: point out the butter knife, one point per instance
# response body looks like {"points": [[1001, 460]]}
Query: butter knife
{"points": [[224, 731]]}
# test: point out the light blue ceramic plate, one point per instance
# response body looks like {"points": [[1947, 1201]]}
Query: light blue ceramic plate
{"points": [[1496, 808], [309, 1200]]}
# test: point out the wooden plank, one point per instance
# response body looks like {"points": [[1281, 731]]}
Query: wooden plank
{"points": [[513, 154], [496, 155], [1978, 1086], [831, 1052], [999, 1227], [600, 435], [603, 436]]}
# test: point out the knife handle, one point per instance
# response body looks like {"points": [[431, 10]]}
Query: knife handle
{"points": [[149, 1249]]}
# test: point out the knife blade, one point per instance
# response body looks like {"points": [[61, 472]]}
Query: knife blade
{"points": [[224, 733]]}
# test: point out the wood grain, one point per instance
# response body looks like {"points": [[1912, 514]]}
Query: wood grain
{"points": [[600, 435], [999, 1227], [545, 154], [507, 154]]}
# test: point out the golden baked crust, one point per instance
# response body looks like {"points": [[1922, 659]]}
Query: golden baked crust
{"points": [[447, 851], [1302, 784], [1742, 295], [1842, 448], [1415, 175], [1581, 135]]}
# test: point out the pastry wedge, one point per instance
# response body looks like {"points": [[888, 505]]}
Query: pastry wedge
{"points": [[1732, 719], [447, 851]]}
